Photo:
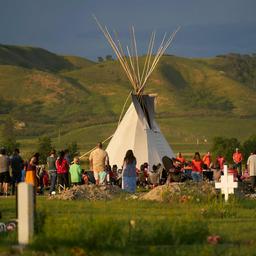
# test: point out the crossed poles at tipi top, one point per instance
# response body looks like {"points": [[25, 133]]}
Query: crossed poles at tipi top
{"points": [[226, 184]]}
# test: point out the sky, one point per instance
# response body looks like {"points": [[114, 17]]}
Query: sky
{"points": [[208, 27]]}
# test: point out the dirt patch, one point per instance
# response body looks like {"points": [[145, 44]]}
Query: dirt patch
{"points": [[90, 193], [186, 190]]}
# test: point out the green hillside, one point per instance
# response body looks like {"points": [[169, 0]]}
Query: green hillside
{"points": [[82, 100]]}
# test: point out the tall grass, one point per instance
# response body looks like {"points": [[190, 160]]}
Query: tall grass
{"points": [[99, 233]]}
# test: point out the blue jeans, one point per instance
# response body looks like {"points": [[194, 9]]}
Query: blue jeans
{"points": [[196, 176], [53, 179]]}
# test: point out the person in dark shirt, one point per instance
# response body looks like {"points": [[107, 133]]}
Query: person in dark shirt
{"points": [[52, 170], [16, 165]]}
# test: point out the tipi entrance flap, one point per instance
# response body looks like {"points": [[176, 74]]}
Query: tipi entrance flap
{"points": [[144, 105]]}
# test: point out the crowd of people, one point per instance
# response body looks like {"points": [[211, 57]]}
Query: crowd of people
{"points": [[61, 172]]}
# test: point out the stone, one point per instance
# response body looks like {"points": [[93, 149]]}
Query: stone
{"points": [[25, 213]]}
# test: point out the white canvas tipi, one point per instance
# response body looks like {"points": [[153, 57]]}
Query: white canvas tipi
{"points": [[138, 130]]}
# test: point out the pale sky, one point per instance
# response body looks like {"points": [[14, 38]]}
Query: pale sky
{"points": [[209, 27]]}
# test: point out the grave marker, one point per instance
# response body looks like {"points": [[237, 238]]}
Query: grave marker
{"points": [[25, 213], [226, 184]]}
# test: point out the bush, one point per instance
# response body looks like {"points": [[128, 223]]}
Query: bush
{"points": [[44, 148], [249, 146], [224, 146], [73, 150]]}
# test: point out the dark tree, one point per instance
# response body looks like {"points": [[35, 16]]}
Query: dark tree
{"points": [[100, 59], [249, 147], [109, 58], [44, 148], [8, 136], [225, 147]]}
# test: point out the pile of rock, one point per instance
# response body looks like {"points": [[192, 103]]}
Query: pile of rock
{"points": [[90, 193], [181, 191]]}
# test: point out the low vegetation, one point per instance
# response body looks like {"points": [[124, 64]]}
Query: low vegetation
{"points": [[138, 227]]}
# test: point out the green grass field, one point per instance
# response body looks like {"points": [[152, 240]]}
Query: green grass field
{"points": [[183, 134], [102, 228]]}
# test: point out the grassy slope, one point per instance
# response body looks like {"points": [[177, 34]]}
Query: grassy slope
{"points": [[84, 99]]}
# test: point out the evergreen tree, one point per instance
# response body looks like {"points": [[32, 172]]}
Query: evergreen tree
{"points": [[44, 148], [8, 136], [225, 146]]}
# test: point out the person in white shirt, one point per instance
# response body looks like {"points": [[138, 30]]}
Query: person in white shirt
{"points": [[251, 165]]}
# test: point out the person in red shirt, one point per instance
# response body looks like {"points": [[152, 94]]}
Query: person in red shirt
{"points": [[221, 160], [180, 158], [197, 167], [62, 170], [238, 158], [207, 159]]}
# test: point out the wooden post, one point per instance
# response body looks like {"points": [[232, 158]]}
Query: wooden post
{"points": [[25, 213]]}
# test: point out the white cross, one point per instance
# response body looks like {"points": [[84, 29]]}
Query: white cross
{"points": [[227, 183]]}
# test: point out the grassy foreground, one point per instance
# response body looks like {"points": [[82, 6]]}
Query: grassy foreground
{"points": [[105, 228]]}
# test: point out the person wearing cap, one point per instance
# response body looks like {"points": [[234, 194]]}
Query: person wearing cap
{"points": [[238, 158]]}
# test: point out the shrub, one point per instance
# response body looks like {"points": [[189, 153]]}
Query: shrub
{"points": [[44, 147], [249, 146], [225, 147]]}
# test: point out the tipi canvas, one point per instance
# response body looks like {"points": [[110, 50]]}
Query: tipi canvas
{"points": [[139, 131]]}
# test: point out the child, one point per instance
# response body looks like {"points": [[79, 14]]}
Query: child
{"points": [[75, 171]]}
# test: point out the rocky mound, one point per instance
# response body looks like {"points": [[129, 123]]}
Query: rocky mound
{"points": [[181, 191], [90, 193]]}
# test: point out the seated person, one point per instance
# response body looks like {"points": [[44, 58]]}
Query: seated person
{"points": [[154, 175], [216, 171], [207, 173], [187, 169], [232, 169]]}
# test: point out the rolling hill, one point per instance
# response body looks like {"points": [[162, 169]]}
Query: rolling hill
{"points": [[54, 94]]}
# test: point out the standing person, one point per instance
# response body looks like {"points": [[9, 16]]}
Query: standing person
{"points": [[220, 160], [62, 170], [31, 172], [4, 172], [129, 172], [52, 170], [17, 166], [207, 159], [75, 171], [180, 158], [67, 156], [238, 158], [197, 167], [98, 159], [251, 165]]}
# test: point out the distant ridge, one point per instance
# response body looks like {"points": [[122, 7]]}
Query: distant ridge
{"points": [[46, 90], [38, 58]]}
